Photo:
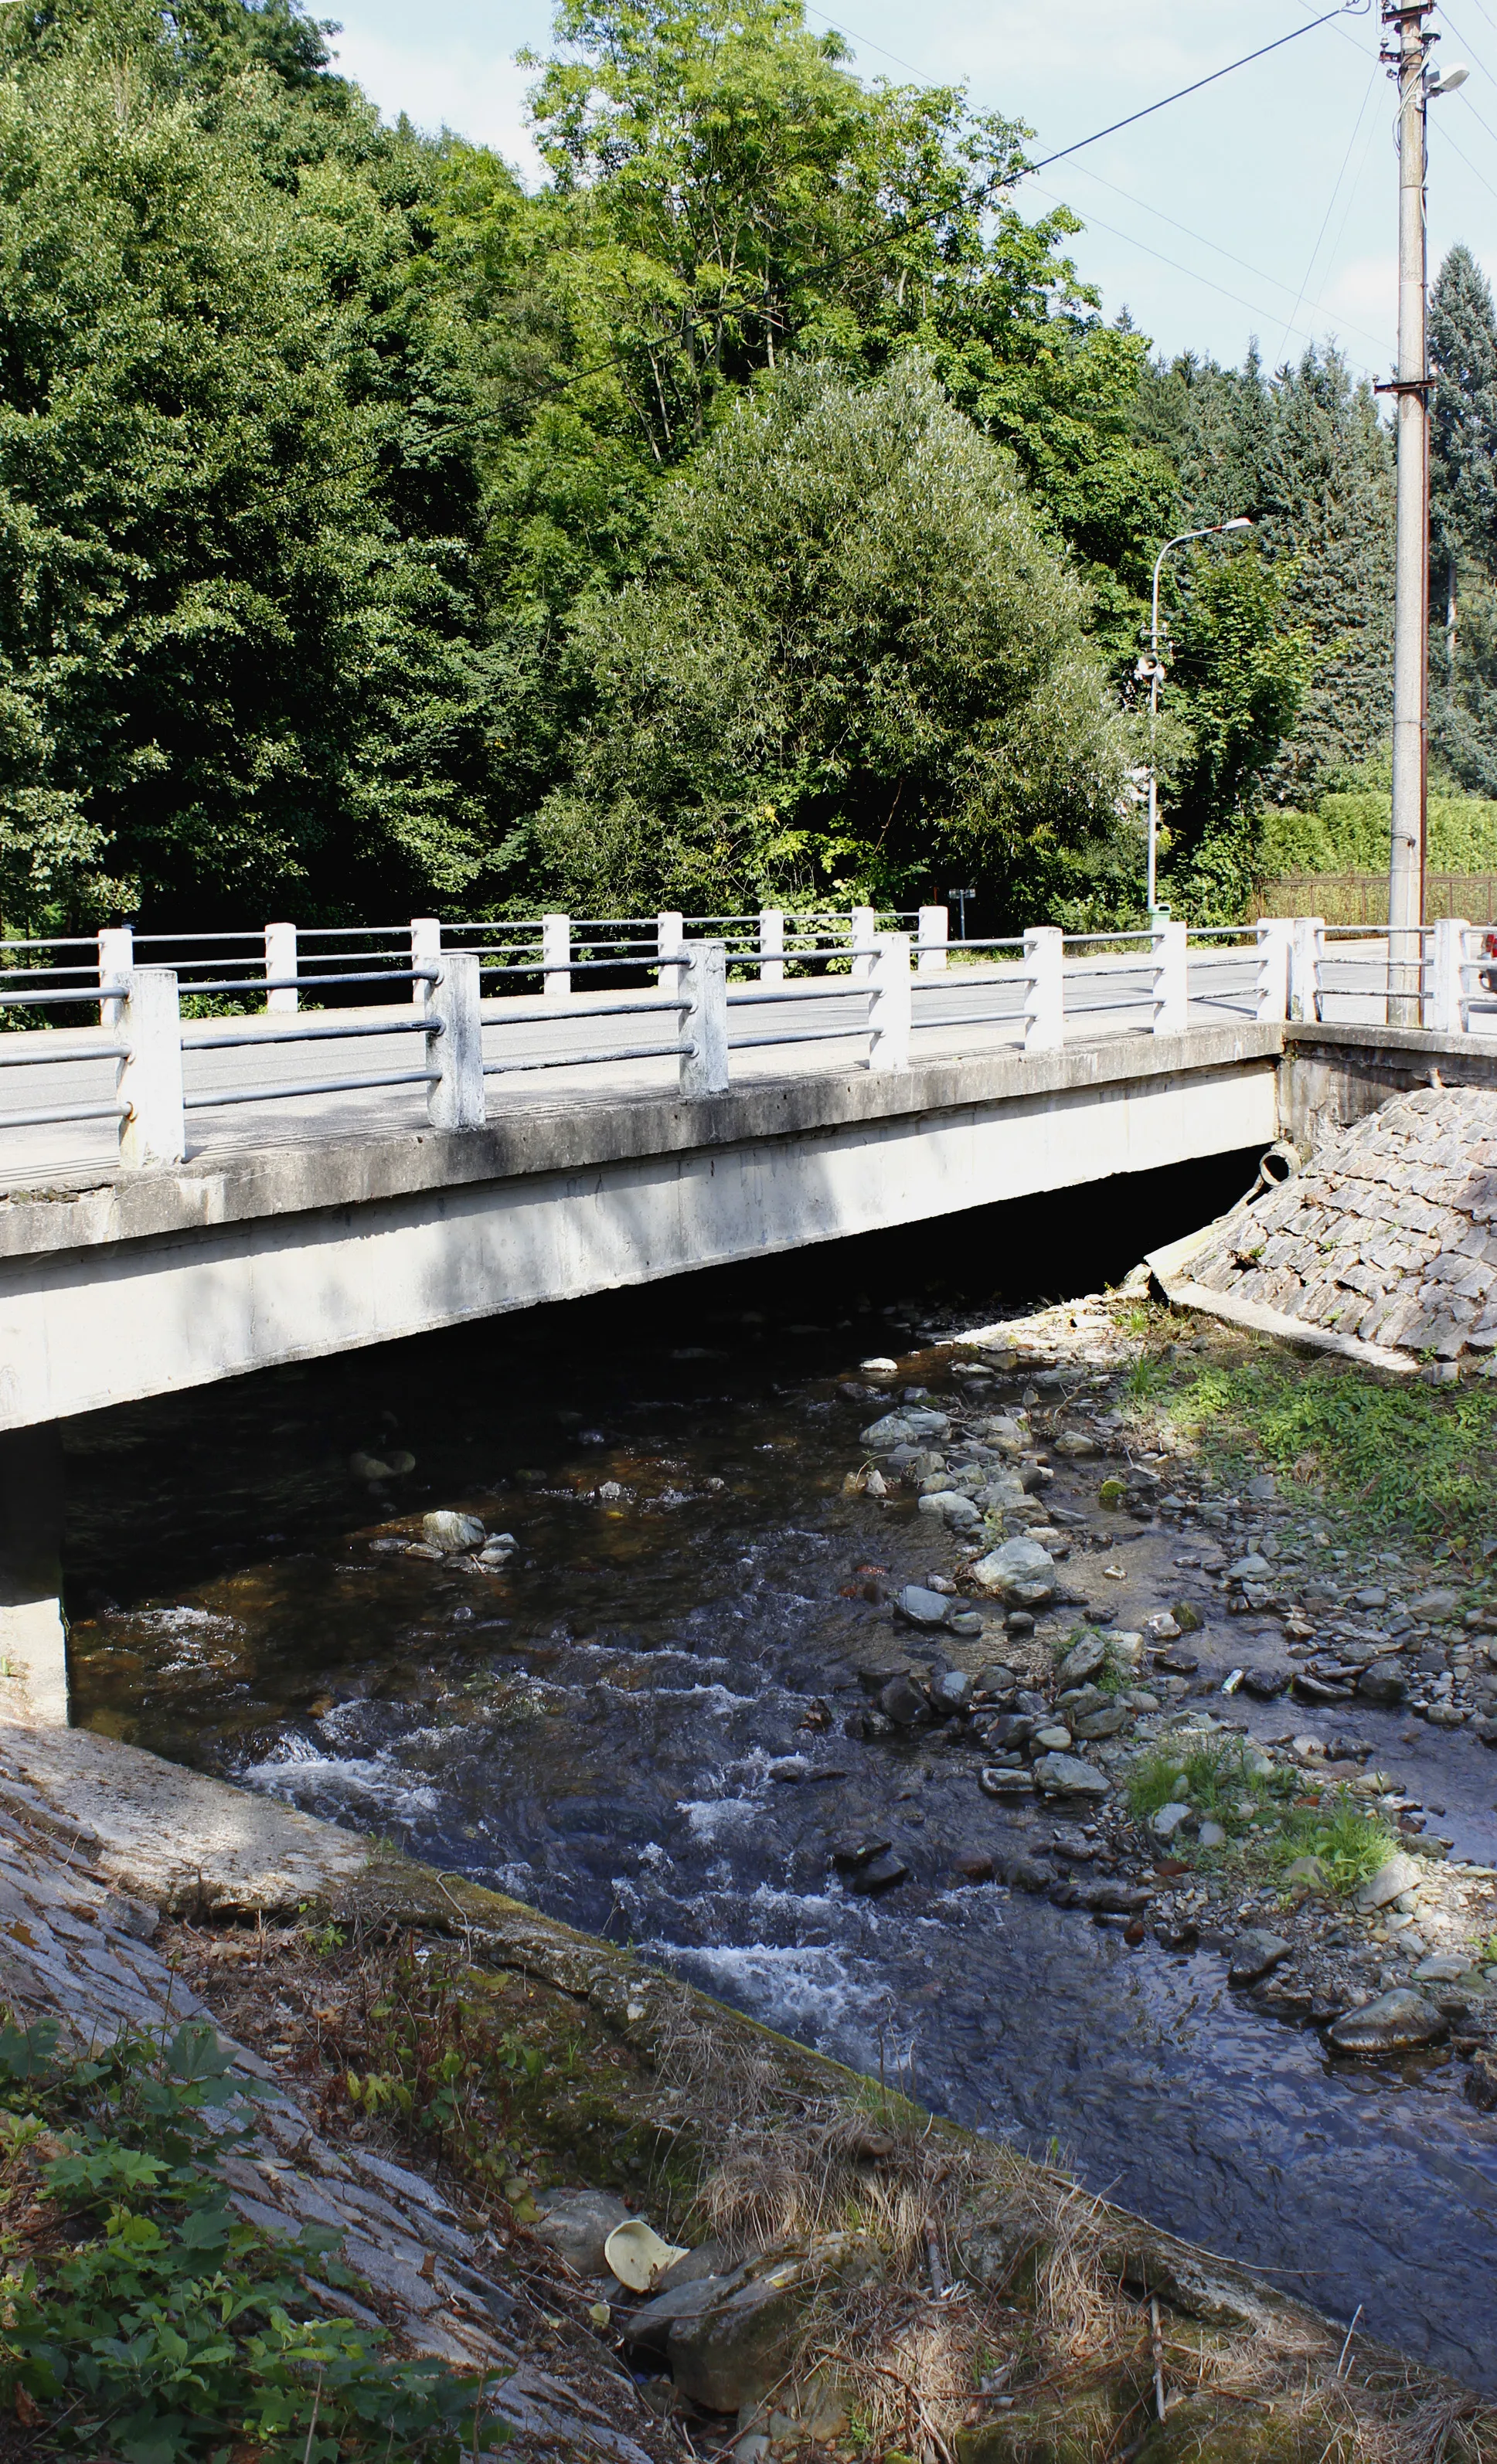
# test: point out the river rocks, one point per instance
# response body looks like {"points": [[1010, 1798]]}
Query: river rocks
{"points": [[736, 2347], [922, 1607], [1305, 1873], [952, 1692], [1167, 1819], [1481, 2084], [884, 1872], [576, 2223], [1442, 1968], [1255, 1954], [902, 1701], [973, 1865], [1052, 1738], [1076, 1445], [1384, 1683], [1092, 1726], [1084, 1660], [1211, 1836], [953, 1507], [1251, 1569], [1011, 1732], [1399, 2022], [1020, 1570], [1063, 1774], [453, 1533], [1265, 1683], [1400, 1874], [906, 1428], [1436, 1606], [1005, 1784], [848, 1855]]}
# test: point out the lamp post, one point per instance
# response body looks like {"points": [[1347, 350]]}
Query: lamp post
{"points": [[1153, 669]]}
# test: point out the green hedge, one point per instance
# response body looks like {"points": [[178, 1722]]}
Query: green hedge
{"points": [[1349, 833]]}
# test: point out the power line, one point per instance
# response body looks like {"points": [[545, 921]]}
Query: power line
{"points": [[1258, 272], [1470, 165], [1151, 107], [1331, 205], [1254, 307]]}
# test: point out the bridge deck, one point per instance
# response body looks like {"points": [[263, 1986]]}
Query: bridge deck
{"points": [[971, 1011]]}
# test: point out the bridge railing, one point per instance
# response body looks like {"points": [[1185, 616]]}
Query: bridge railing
{"points": [[575, 998]]}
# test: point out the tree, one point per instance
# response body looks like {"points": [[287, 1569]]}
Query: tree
{"points": [[1462, 334], [241, 644], [853, 654]]}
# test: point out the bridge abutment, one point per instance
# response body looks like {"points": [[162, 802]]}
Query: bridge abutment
{"points": [[33, 1634]]}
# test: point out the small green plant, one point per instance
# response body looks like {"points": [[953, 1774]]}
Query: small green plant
{"points": [[1222, 1781], [144, 2319], [1349, 1843]]}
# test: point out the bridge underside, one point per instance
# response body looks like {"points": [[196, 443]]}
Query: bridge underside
{"points": [[176, 1279]]}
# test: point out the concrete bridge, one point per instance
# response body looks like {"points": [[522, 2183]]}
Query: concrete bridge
{"points": [[724, 1112]]}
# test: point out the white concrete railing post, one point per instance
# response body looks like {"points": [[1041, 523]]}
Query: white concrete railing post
{"points": [[454, 1043], [115, 961], [1171, 979], [889, 1011], [280, 959], [1272, 993], [1045, 993], [1445, 1012], [669, 942], [149, 1081], [426, 951], [1304, 967], [704, 1025], [932, 927], [771, 945], [862, 929], [556, 957]]}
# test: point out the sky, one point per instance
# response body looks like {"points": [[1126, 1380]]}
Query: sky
{"points": [[1264, 208]]}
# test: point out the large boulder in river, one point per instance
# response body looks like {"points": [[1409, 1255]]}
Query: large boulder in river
{"points": [[907, 1428], [1399, 2022], [1020, 1564], [452, 1532], [1059, 1774]]}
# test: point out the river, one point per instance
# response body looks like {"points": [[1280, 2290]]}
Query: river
{"points": [[597, 1728]]}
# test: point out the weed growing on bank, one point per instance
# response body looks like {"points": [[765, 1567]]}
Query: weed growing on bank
{"points": [[1382, 1454], [141, 2319], [1254, 1808]]}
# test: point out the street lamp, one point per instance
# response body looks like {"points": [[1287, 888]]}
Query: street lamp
{"points": [[1152, 669]]}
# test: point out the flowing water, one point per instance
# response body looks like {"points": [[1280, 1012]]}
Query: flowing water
{"points": [[613, 1730]]}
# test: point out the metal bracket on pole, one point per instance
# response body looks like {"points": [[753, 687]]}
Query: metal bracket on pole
{"points": [[1044, 996], [149, 1081], [889, 1014], [704, 1025], [454, 1043]]}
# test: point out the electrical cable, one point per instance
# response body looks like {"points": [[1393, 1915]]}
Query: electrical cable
{"points": [[1151, 107], [1467, 159], [1254, 307], [1258, 272], [1329, 207]]}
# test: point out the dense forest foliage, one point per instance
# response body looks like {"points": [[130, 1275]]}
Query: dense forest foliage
{"points": [[759, 506]]}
